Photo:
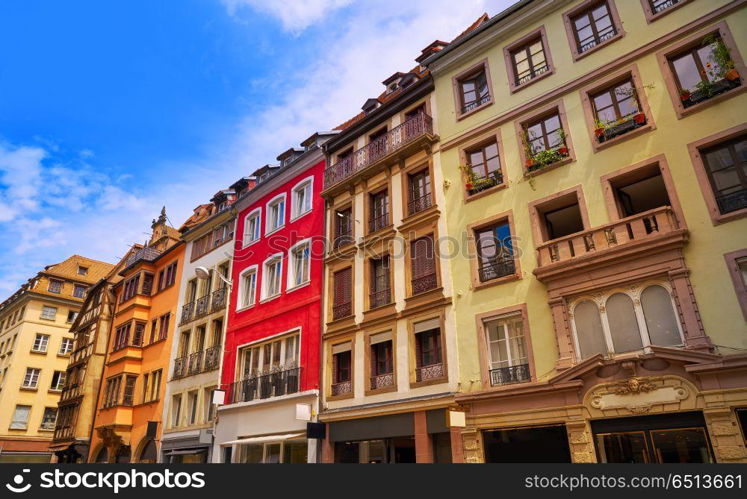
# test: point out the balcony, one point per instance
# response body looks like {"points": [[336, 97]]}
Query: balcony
{"points": [[419, 204], [382, 381], [432, 371], [510, 375], [597, 242], [380, 298], [264, 386], [201, 306], [180, 367], [212, 359], [397, 139], [218, 299], [342, 388], [378, 222], [188, 313], [496, 267], [342, 310], [195, 363], [424, 283]]}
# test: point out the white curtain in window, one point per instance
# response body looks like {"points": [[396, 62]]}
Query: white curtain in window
{"points": [[661, 321], [589, 329], [626, 336]]}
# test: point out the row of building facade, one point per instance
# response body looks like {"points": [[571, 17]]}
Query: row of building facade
{"points": [[530, 247]]}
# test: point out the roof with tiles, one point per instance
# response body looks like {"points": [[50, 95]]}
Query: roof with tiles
{"points": [[419, 72]]}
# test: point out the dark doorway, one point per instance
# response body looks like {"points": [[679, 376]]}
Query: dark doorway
{"points": [[384, 451], [665, 438], [547, 444]]}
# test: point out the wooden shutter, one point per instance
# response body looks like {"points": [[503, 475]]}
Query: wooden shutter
{"points": [[343, 286], [422, 257]]}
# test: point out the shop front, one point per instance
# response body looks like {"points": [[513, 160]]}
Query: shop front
{"points": [[189, 447]]}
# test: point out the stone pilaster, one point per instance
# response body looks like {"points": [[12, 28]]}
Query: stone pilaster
{"points": [[580, 441], [726, 439]]}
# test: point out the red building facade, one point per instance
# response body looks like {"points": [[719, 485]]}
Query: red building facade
{"points": [[272, 345]]}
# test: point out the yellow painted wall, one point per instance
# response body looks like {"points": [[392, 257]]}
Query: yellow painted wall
{"points": [[714, 292]]}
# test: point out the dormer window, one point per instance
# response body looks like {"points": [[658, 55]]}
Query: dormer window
{"points": [[370, 105], [392, 87]]}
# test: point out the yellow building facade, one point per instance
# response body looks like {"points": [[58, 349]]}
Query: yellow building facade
{"points": [[593, 157], [35, 345]]}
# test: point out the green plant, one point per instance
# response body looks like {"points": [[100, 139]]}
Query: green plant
{"points": [[599, 124], [721, 56], [547, 156], [705, 87]]}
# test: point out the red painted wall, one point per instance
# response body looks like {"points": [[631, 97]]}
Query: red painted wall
{"points": [[300, 308]]}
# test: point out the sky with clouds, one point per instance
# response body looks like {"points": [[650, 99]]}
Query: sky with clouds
{"points": [[109, 110]]}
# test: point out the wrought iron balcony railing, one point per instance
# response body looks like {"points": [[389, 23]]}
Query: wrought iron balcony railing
{"points": [[180, 367], [212, 358], [432, 371], [188, 312], [418, 126], [264, 386], [508, 375], [218, 300], [382, 381], [195, 363], [201, 306], [342, 310], [421, 284], [378, 222], [499, 266], [342, 388], [418, 204], [380, 298]]}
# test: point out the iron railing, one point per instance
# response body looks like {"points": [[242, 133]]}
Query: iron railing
{"points": [[195, 363], [380, 298], [432, 371], [382, 381], [201, 306], [264, 386], [498, 266], [732, 202], [421, 203], [342, 310], [424, 283], [218, 300], [418, 126], [180, 367], [511, 374], [212, 358], [188, 312], [342, 388], [378, 222]]}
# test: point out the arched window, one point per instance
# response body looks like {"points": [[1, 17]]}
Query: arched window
{"points": [[589, 329], [661, 321], [626, 336], [123, 454], [148, 454]]}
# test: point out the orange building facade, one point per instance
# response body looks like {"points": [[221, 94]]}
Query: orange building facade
{"points": [[129, 410]]}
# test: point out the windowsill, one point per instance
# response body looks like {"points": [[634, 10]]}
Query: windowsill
{"points": [[298, 217], [52, 390], [270, 298], [547, 168], [621, 138], [386, 389], [378, 232], [518, 88], [28, 389], [487, 192], [655, 17], [299, 286], [341, 397], [160, 340], [140, 404], [47, 430], [461, 116], [683, 112], [38, 352], [434, 381], [580, 55], [63, 354], [271, 232], [497, 281], [17, 429], [247, 307], [47, 319], [719, 218], [254, 241]]}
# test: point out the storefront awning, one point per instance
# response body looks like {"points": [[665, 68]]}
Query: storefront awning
{"points": [[185, 452], [266, 438]]}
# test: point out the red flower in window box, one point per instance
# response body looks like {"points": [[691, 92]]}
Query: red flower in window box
{"points": [[563, 151], [469, 186], [640, 118], [530, 162], [685, 95], [599, 132]]}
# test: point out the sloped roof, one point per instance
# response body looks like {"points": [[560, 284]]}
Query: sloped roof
{"points": [[68, 269]]}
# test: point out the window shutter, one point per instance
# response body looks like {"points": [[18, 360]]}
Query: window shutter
{"points": [[343, 286], [422, 257]]}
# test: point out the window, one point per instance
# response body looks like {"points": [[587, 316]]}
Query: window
{"points": [[288, 451], [342, 369], [163, 331], [559, 217], [192, 408], [659, 6], [342, 301], [300, 264], [423, 265], [495, 252], [31, 379], [343, 224], [171, 274], [66, 346], [474, 90], [380, 292], [592, 26], [641, 191], [176, 410], [428, 355], [82, 270], [248, 290], [71, 316], [252, 225], [302, 198], [58, 381], [276, 213], [619, 322], [483, 167], [268, 369], [111, 391], [40, 343], [544, 141], [507, 350], [128, 396], [139, 335], [48, 313], [419, 190], [79, 291], [616, 110], [379, 206], [154, 390], [122, 336], [272, 278], [209, 405], [130, 288], [20, 417], [49, 418], [726, 167], [55, 286], [529, 61], [382, 361]]}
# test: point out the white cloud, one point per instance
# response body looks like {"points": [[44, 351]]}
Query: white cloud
{"points": [[295, 15]]}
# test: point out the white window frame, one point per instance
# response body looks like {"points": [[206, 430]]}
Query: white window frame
{"points": [[518, 317], [20, 424], [43, 340], [255, 213], [33, 378], [44, 316], [242, 288], [63, 342], [259, 346], [265, 294], [301, 186], [60, 381], [634, 293], [292, 265], [269, 229], [176, 410]]}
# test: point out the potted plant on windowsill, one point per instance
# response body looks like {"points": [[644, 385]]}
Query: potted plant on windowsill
{"points": [[599, 128], [639, 118], [685, 95]]}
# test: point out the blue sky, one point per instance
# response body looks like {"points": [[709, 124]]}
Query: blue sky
{"points": [[109, 110]]}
